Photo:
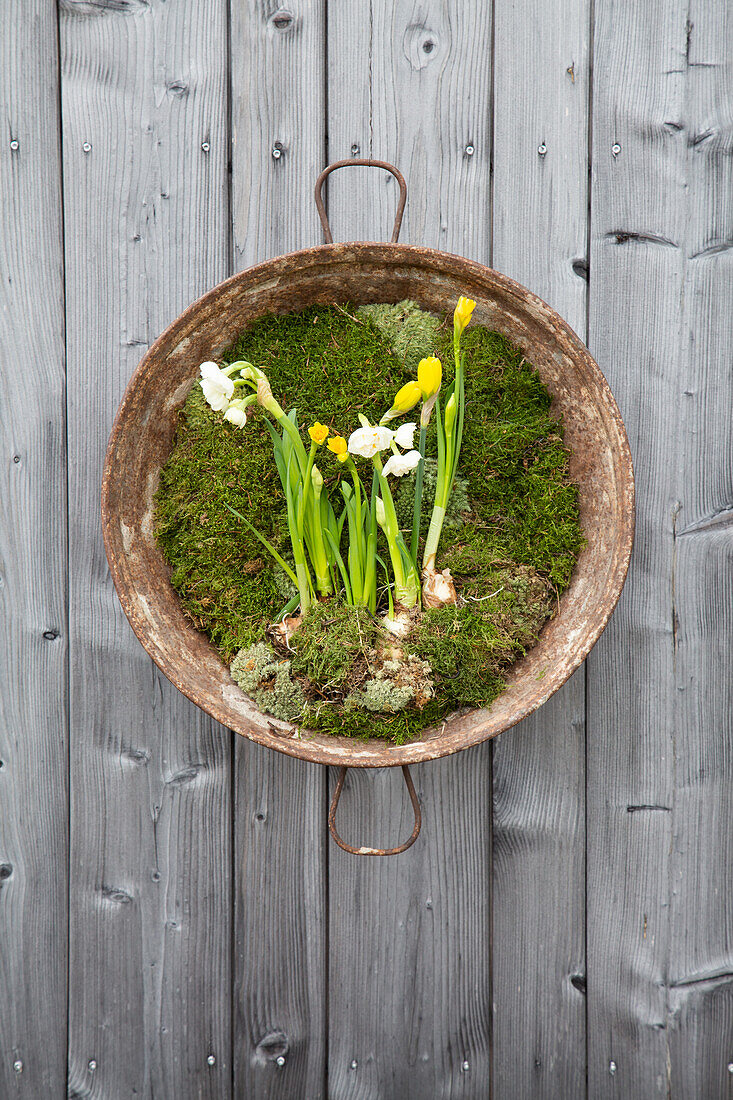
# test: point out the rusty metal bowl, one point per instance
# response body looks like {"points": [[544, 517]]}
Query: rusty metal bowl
{"points": [[142, 438]]}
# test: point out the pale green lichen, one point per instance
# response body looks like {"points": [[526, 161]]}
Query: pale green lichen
{"points": [[412, 333], [266, 679], [381, 696], [401, 680]]}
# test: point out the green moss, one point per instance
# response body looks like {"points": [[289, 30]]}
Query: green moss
{"points": [[514, 460], [511, 537], [331, 645]]}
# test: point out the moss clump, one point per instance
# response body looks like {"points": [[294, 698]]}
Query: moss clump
{"points": [[332, 644], [514, 460], [510, 540], [411, 332], [268, 680], [469, 648]]}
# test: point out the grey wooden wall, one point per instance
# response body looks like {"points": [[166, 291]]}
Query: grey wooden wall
{"points": [[174, 922]]}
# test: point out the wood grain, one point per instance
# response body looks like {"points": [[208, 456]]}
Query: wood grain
{"points": [[659, 885], [33, 560], [146, 230], [280, 871], [540, 235], [409, 986]]}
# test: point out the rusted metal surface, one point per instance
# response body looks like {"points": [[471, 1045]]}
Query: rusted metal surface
{"points": [[363, 851], [142, 438], [359, 162]]}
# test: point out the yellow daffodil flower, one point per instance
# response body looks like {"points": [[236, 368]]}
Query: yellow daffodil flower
{"points": [[318, 433], [429, 376], [340, 447], [462, 314]]}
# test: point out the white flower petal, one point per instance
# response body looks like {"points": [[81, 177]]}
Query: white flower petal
{"points": [[218, 388], [235, 414], [404, 436], [367, 442], [399, 465], [210, 370]]}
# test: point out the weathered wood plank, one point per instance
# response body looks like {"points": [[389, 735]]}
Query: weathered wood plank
{"points": [[540, 234], [409, 989], [278, 89], [659, 884], [146, 230], [33, 562], [409, 966]]}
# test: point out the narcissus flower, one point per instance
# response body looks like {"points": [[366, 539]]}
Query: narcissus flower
{"points": [[218, 388], [340, 447], [318, 432], [399, 465], [462, 313], [406, 398], [236, 414], [429, 376], [368, 441], [404, 436]]}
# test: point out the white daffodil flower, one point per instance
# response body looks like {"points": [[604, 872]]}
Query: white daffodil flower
{"points": [[399, 465], [218, 388], [368, 441], [404, 436], [236, 414]]}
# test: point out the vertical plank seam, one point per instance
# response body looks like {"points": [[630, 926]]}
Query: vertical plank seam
{"points": [[588, 268], [67, 602]]}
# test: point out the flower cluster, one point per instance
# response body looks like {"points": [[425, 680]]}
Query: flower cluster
{"points": [[316, 533]]}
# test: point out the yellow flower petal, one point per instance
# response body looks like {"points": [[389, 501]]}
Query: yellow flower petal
{"points": [[340, 447], [429, 376], [407, 397], [462, 314], [318, 432]]}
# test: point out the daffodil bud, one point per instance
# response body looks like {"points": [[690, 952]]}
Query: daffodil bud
{"points": [[406, 398], [318, 433], [317, 480], [462, 313], [450, 414], [429, 376], [381, 517]]}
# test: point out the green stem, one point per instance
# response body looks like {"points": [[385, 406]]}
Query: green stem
{"points": [[417, 507], [407, 585]]}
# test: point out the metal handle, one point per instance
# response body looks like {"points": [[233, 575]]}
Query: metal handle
{"points": [[363, 164], [374, 851]]}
